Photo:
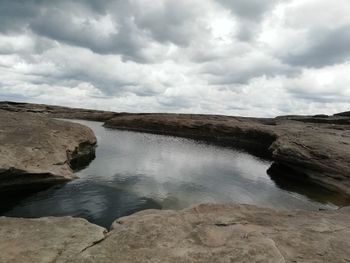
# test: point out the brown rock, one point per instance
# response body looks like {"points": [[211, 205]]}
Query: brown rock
{"points": [[224, 233], [251, 134], [35, 149], [205, 233], [321, 152], [57, 111], [45, 239], [314, 147], [317, 151]]}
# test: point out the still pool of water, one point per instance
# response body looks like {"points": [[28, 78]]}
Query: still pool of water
{"points": [[136, 171]]}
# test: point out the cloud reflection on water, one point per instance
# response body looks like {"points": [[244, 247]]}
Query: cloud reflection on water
{"points": [[136, 171]]}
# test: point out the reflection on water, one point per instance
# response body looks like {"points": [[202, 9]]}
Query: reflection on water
{"points": [[135, 171]]}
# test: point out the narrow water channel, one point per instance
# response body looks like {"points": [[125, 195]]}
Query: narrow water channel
{"points": [[136, 171]]}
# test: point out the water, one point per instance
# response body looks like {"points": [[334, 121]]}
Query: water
{"points": [[136, 171]]}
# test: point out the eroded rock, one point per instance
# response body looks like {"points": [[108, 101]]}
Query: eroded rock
{"points": [[57, 111], [319, 151], [205, 233], [46, 240], [251, 134], [38, 150], [316, 147], [224, 233]]}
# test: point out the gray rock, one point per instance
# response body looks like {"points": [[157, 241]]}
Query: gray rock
{"points": [[317, 151], [57, 111], [224, 233], [344, 114], [46, 239], [35, 149], [316, 147], [320, 152], [205, 233]]}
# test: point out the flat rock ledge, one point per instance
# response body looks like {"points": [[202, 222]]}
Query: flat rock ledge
{"points": [[205, 233], [41, 150], [314, 148], [46, 239], [57, 111]]}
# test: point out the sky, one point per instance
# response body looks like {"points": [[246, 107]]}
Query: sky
{"points": [[235, 57]]}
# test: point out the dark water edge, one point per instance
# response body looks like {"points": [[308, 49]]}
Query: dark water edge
{"points": [[135, 171]]}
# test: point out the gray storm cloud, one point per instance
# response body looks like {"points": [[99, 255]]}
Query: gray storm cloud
{"points": [[234, 57]]}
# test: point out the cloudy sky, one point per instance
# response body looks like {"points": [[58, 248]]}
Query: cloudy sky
{"points": [[236, 57]]}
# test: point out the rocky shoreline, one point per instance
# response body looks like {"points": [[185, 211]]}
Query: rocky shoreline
{"points": [[37, 149], [314, 148], [315, 151], [204, 233]]}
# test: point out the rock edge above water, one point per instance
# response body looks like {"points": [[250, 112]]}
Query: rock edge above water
{"points": [[205, 233], [315, 148], [47, 239], [312, 148], [40, 150]]}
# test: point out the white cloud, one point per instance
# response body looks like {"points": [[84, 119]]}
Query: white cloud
{"points": [[201, 56]]}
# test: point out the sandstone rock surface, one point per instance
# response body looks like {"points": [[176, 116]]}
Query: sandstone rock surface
{"points": [[57, 111], [315, 148], [251, 134], [225, 233], [205, 233], [36, 149], [319, 151], [45, 240]]}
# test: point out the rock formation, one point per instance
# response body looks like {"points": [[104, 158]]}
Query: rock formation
{"points": [[315, 148], [205, 233], [40, 150], [47, 239], [36, 149], [317, 151], [57, 111]]}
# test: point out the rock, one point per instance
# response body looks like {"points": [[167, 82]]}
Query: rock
{"points": [[251, 134], [345, 209], [315, 150], [224, 233], [336, 119], [204, 233], [57, 111], [320, 116], [344, 114], [40, 150], [46, 239], [320, 152]]}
